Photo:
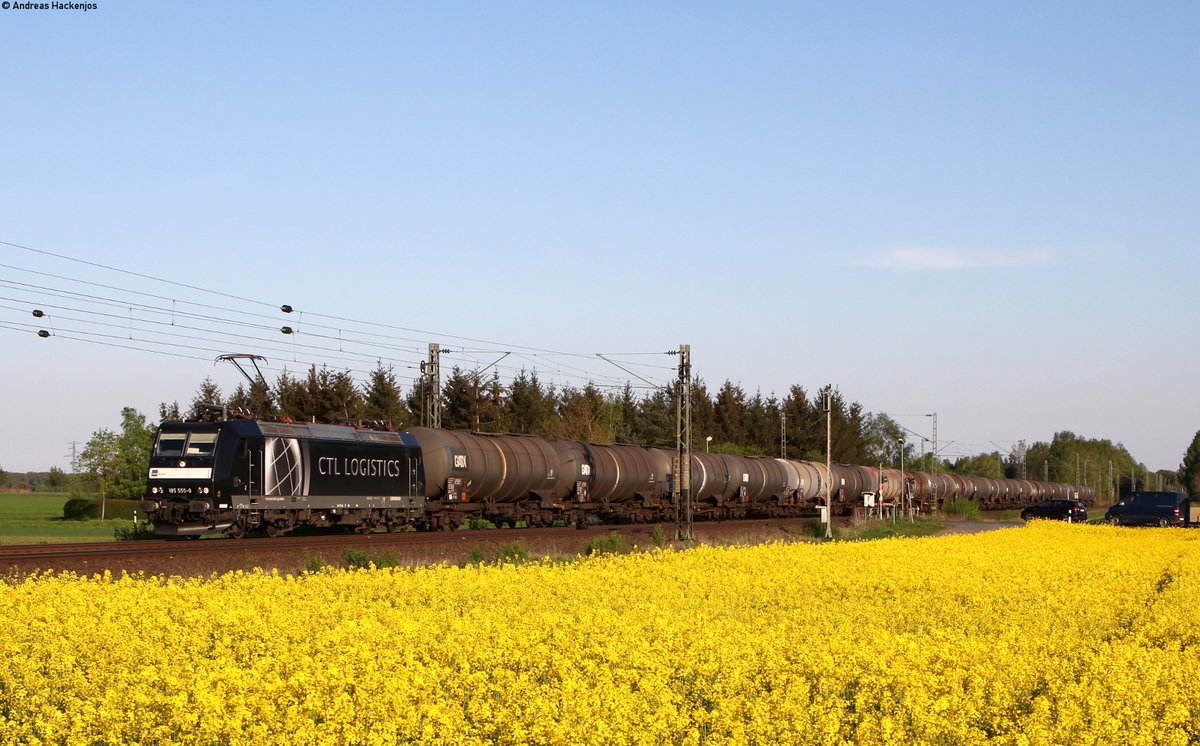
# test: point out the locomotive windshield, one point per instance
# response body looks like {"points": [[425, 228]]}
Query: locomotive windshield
{"points": [[185, 444], [200, 444]]}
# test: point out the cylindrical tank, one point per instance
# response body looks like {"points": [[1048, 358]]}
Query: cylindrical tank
{"points": [[739, 475], [794, 484], [663, 463], [1037, 492], [497, 467], [710, 478], [893, 487], [769, 479], [985, 488], [845, 482], [811, 479], [868, 479], [754, 486], [1018, 493], [574, 466], [993, 491], [945, 486], [962, 487], [922, 485], [1049, 490], [623, 472], [826, 481], [1009, 491]]}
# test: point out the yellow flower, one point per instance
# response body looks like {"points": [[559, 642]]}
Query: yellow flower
{"points": [[1038, 635]]}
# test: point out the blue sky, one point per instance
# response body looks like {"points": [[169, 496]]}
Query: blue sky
{"points": [[984, 210]]}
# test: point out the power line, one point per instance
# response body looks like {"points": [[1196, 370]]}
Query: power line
{"points": [[538, 357], [502, 346], [131, 273]]}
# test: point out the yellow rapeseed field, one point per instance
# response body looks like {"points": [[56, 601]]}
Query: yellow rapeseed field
{"points": [[1046, 634]]}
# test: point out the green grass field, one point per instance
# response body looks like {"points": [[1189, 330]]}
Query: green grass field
{"points": [[32, 505], [36, 518]]}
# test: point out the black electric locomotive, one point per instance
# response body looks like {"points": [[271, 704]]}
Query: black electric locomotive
{"points": [[213, 477]]}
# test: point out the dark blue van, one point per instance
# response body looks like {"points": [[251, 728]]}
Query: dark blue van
{"points": [[1151, 509]]}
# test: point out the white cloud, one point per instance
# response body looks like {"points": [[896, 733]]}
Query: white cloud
{"points": [[911, 259]]}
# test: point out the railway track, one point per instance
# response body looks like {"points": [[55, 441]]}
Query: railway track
{"points": [[292, 553]]}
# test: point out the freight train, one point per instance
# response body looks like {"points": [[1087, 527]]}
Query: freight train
{"points": [[235, 475]]}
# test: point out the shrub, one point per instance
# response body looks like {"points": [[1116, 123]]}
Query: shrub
{"points": [[123, 509], [514, 553], [313, 563], [658, 537], [135, 532], [963, 508], [611, 544], [80, 509], [86, 509], [362, 558]]}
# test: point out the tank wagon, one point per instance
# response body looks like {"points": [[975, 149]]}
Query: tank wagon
{"points": [[235, 475]]}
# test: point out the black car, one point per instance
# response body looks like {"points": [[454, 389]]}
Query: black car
{"points": [[1071, 511], [1150, 509]]}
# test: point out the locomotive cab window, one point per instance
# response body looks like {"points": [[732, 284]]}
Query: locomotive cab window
{"points": [[170, 444], [201, 444]]}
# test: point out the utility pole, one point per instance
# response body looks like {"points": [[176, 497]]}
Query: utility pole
{"points": [[1045, 471], [683, 440], [431, 375], [782, 432], [1112, 493], [827, 404], [74, 454], [936, 458]]}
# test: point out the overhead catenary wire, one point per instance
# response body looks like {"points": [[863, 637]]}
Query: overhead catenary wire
{"points": [[274, 331], [550, 364], [561, 368], [84, 335], [131, 273], [427, 333], [174, 313]]}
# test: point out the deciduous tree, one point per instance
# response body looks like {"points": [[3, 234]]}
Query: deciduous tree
{"points": [[57, 480], [133, 445], [99, 464]]}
